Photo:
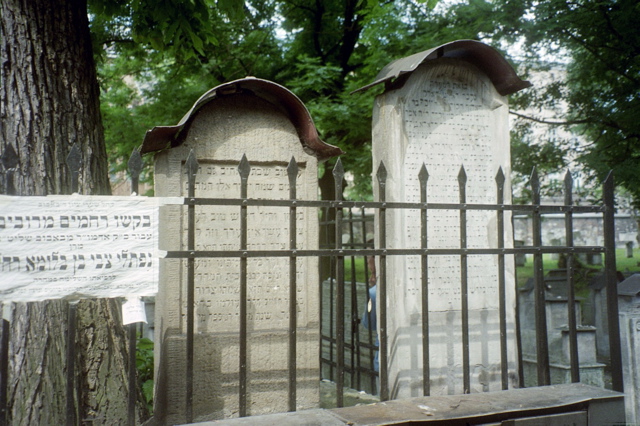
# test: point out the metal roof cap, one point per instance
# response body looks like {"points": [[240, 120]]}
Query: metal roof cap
{"points": [[162, 137], [486, 58]]}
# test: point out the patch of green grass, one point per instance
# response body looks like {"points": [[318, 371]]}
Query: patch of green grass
{"points": [[358, 264], [623, 264]]}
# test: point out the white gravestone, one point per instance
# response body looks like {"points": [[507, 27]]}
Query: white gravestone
{"points": [[222, 132], [447, 114]]}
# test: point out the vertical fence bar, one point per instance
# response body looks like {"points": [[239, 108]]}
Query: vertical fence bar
{"points": [[244, 169], [502, 294], [355, 321], [542, 346], [71, 363], [612, 284], [135, 167], [292, 172], [9, 161], [382, 291], [423, 177], [192, 168], [571, 298], [338, 175], [367, 280], [74, 162], [4, 367], [464, 282]]}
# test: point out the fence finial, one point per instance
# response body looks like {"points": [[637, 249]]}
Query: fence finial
{"points": [[500, 179], [10, 161], [244, 168], [462, 176], [135, 167], [74, 161], [423, 175], [292, 171], [192, 167], [534, 181]]}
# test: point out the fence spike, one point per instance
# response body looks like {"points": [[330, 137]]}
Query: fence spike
{"points": [[74, 161], [10, 161], [192, 167], [500, 179], [338, 170], [244, 168], [382, 173], [292, 171], [534, 181], [462, 176], [568, 188], [423, 175], [9, 157], [135, 163]]}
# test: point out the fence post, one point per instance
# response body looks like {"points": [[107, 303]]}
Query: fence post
{"points": [[612, 284], [504, 368], [4, 367], [74, 162], [464, 287], [423, 177], [382, 291], [135, 167], [573, 338], [542, 341], [292, 172], [192, 168], [338, 176], [244, 169]]}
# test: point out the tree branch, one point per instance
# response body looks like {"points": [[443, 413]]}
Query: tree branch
{"points": [[549, 122]]}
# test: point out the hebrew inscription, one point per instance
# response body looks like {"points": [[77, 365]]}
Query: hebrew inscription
{"points": [[448, 124], [217, 281], [86, 246]]}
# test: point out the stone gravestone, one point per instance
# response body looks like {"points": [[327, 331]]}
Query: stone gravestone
{"points": [[629, 314], [269, 125], [446, 108]]}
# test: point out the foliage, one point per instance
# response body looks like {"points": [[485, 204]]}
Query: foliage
{"points": [[598, 44], [144, 365], [155, 65]]}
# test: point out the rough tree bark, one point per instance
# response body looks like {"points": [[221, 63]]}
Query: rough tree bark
{"points": [[49, 101]]}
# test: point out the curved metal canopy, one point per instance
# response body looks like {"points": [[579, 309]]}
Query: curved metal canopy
{"points": [[486, 58], [162, 137]]}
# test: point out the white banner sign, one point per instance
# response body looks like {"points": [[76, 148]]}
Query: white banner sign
{"points": [[77, 246]]}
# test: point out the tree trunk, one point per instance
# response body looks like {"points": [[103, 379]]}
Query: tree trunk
{"points": [[50, 101]]}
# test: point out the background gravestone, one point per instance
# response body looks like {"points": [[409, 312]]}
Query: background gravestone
{"points": [[447, 108], [269, 125], [629, 315]]}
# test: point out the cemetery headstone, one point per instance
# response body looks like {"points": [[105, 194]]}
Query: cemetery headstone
{"points": [[447, 108], [269, 125], [556, 308], [629, 313]]}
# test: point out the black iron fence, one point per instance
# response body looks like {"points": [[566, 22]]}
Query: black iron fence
{"points": [[344, 349]]}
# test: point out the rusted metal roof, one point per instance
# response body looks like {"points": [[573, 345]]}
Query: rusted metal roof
{"points": [[489, 60], [162, 137]]}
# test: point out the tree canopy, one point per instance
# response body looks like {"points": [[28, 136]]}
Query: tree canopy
{"points": [[156, 59]]}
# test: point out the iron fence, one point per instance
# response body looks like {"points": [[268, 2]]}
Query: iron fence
{"points": [[342, 336]]}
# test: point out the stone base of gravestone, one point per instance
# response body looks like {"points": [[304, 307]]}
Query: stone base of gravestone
{"points": [[446, 373], [216, 375], [561, 374]]}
